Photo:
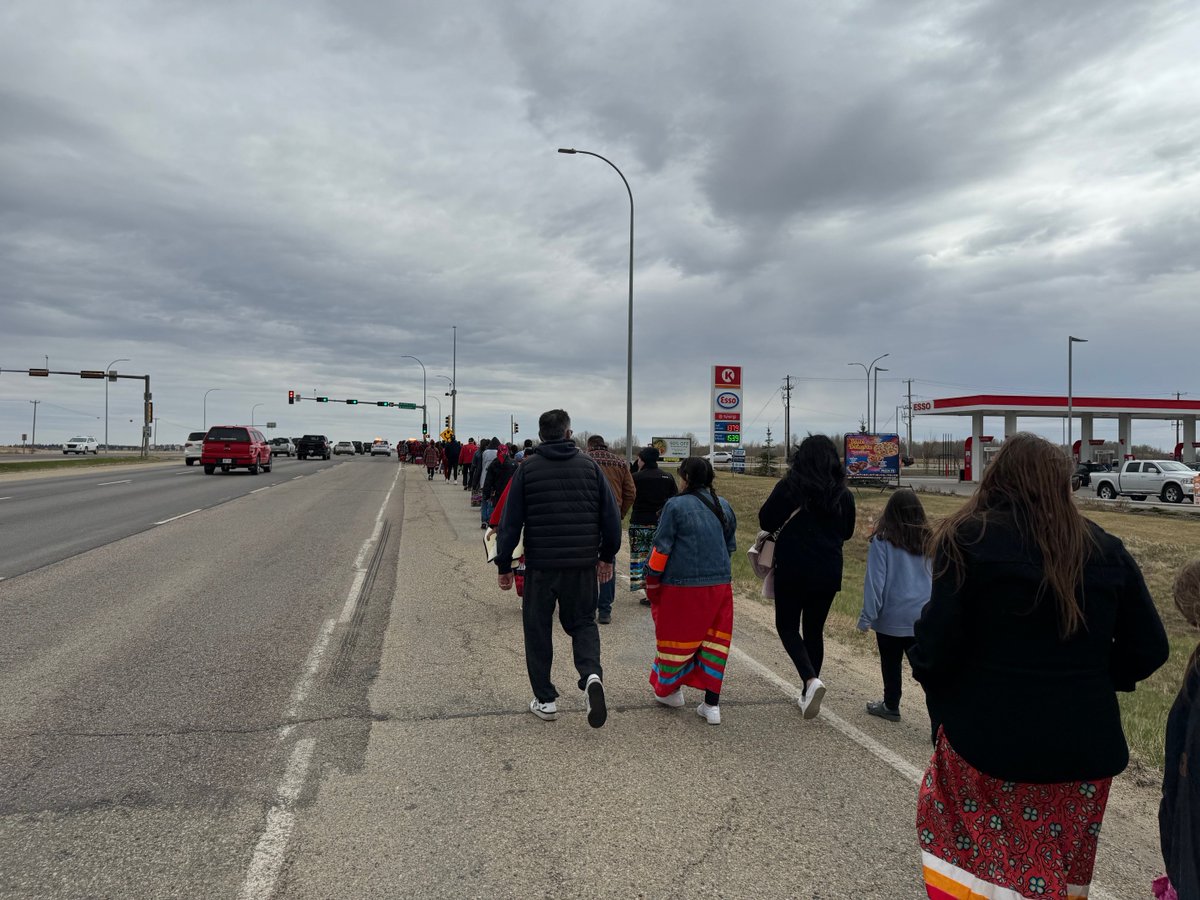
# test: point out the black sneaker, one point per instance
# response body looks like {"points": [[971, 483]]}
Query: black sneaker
{"points": [[605, 618], [645, 601], [597, 711], [879, 708]]}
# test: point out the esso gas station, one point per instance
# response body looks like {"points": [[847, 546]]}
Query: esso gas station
{"points": [[1013, 407]]}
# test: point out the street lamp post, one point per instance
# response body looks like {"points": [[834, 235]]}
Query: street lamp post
{"points": [[108, 369], [453, 388], [450, 393], [868, 369], [875, 407], [1071, 342], [629, 340], [424, 400], [206, 393], [252, 409]]}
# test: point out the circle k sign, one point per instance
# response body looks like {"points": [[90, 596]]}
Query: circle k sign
{"points": [[728, 400]]}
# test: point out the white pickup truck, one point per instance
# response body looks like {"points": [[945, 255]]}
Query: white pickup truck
{"points": [[1141, 478]]}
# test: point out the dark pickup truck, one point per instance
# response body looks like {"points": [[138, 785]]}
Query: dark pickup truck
{"points": [[315, 445]]}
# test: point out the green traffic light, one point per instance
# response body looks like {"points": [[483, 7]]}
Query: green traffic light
{"points": [[322, 399], [352, 403]]}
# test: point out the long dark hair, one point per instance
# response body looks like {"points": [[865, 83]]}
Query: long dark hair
{"points": [[816, 475], [1028, 484], [697, 474], [903, 523]]}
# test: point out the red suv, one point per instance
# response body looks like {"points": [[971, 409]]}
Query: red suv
{"points": [[234, 447]]}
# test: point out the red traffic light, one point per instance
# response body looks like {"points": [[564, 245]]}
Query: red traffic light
{"points": [[291, 397]]}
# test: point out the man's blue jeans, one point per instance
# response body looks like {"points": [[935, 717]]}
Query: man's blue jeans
{"points": [[608, 592]]}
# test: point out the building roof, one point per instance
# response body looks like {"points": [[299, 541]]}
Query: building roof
{"points": [[1056, 406]]}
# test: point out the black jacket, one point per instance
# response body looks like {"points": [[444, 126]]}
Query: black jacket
{"points": [[1179, 814], [654, 488], [495, 479], [810, 546], [563, 501], [1015, 700]]}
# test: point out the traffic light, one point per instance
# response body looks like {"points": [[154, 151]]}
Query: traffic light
{"points": [[149, 410], [516, 427], [382, 403], [447, 421], [352, 403], [424, 428], [322, 399], [291, 397]]}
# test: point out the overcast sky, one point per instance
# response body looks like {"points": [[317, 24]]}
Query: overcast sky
{"points": [[257, 197]]}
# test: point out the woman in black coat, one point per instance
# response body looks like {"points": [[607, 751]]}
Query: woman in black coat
{"points": [[814, 513]]}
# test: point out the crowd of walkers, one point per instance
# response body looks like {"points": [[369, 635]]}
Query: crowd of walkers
{"points": [[1020, 619]]}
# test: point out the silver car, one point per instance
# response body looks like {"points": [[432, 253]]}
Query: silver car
{"points": [[193, 447], [343, 447], [282, 446]]}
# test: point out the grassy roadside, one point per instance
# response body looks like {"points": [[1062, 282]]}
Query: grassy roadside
{"points": [[1160, 544], [79, 463]]}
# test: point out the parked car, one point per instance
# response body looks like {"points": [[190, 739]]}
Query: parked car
{"points": [[193, 447], [282, 446], [718, 456], [235, 447], [82, 446], [1083, 472], [381, 448], [343, 447], [1141, 478]]}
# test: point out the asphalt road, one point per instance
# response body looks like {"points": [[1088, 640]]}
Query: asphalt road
{"points": [[318, 691], [45, 519]]}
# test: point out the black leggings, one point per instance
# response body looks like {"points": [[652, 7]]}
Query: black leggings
{"points": [[796, 601], [891, 655]]}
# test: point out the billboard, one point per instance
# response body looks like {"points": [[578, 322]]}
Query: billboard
{"points": [[872, 455], [672, 449]]}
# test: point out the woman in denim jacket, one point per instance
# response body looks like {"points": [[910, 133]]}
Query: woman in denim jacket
{"points": [[688, 582]]}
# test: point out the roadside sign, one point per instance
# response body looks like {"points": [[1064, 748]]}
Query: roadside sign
{"points": [[726, 419], [406, 406], [727, 376], [270, 424], [672, 449]]}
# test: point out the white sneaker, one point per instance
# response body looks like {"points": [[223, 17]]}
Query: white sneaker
{"points": [[710, 714], [810, 699], [547, 711], [674, 700], [597, 709]]}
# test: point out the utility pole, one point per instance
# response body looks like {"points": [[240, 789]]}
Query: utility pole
{"points": [[1178, 396], [909, 445], [454, 386], [511, 419], [33, 442], [787, 417]]}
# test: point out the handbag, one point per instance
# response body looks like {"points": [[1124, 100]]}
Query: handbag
{"points": [[762, 552]]}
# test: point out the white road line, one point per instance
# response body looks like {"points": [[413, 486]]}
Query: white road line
{"points": [[107, 483], [868, 743], [182, 516], [269, 852], [257, 490], [5, 498], [297, 476], [304, 685], [360, 573]]}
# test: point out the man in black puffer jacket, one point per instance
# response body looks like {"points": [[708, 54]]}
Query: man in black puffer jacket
{"points": [[572, 532]]}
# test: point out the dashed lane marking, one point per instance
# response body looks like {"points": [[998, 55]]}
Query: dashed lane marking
{"points": [[257, 490], [181, 516], [107, 483]]}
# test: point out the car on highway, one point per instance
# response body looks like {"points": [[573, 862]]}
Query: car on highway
{"points": [[82, 446], [193, 447], [381, 448], [316, 446], [343, 447], [719, 456], [230, 447], [282, 446]]}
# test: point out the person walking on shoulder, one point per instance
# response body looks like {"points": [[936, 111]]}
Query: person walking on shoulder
{"points": [[813, 513], [688, 581], [895, 590], [653, 487], [465, 457], [1179, 812], [621, 482], [432, 458], [572, 532], [1036, 619]]}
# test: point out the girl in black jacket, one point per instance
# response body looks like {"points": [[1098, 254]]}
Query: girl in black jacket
{"points": [[816, 513]]}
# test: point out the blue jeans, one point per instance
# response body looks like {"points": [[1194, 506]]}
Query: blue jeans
{"points": [[608, 591]]}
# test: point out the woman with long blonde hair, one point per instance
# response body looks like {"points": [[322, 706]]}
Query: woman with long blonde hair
{"points": [[1037, 618]]}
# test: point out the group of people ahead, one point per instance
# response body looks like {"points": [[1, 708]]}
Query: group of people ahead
{"points": [[1021, 620]]}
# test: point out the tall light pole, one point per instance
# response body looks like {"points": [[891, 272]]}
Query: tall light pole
{"points": [[206, 393], [450, 393], [107, 369], [868, 369], [629, 348], [33, 435], [453, 388], [1071, 342], [875, 408], [424, 401], [252, 409]]}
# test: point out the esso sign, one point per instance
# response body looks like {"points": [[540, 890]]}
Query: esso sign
{"points": [[728, 400], [923, 406]]}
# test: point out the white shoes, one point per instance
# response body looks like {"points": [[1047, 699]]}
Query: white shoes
{"points": [[547, 711], [810, 698], [710, 714], [674, 700]]}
